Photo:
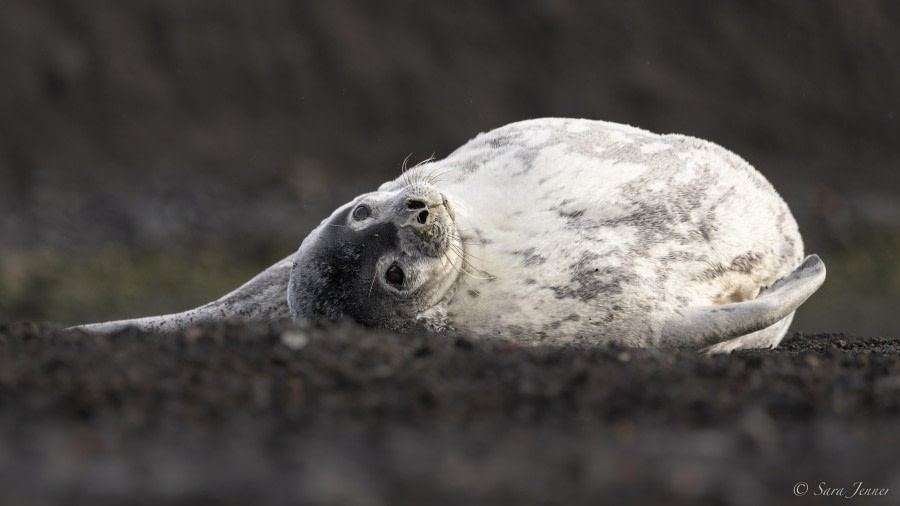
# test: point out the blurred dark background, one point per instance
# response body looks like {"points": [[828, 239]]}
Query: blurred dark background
{"points": [[156, 154]]}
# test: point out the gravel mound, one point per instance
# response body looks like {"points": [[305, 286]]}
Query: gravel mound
{"points": [[338, 414]]}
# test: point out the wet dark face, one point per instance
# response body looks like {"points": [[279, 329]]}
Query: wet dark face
{"points": [[381, 260]]}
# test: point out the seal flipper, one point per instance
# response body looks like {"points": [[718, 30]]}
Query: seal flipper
{"points": [[263, 298], [698, 327]]}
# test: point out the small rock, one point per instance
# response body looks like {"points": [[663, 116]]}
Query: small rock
{"points": [[294, 339], [194, 333]]}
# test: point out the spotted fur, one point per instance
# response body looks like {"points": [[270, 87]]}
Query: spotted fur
{"points": [[617, 224]]}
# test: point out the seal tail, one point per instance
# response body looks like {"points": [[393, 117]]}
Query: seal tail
{"points": [[705, 326], [263, 298]]}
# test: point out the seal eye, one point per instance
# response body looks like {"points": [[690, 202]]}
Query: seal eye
{"points": [[394, 275], [361, 212]]}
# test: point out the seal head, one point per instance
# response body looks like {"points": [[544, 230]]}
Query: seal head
{"points": [[386, 259]]}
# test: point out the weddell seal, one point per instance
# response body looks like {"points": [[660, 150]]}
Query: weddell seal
{"points": [[558, 231]]}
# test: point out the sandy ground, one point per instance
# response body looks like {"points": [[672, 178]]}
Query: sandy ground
{"points": [[280, 414]]}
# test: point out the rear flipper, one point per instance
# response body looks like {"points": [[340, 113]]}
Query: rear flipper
{"points": [[768, 337], [263, 298], [164, 324], [760, 322]]}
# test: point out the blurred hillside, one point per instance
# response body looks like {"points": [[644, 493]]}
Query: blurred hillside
{"points": [[154, 154]]}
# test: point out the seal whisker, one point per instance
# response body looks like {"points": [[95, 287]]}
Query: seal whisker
{"points": [[469, 242], [372, 286], [429, 176], [415, 175], [466, 256], [460, 272], [449, 262], [462, 255], [405, 171], [437, 174], [456, 268], [466, 261], [423, 162], [463, 241]]}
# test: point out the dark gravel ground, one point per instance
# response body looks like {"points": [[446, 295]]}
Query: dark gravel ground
{"points": [[337, 414]]}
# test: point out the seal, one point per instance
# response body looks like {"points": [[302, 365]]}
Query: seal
{"points": [[555, 231]]}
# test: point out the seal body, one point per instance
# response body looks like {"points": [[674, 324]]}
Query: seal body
{"points": [[584, 231], [563, 231]]}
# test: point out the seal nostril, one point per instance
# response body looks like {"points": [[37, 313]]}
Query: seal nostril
{"points": [[423, 217], [415, 204]]}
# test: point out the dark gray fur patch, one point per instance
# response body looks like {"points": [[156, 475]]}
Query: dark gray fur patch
{"points": [[678, 256], [744, 263], [531, 257], [659, 216], [571, 215], [590, 281], [479, 237], [495, 144], [527, 154], [500, 141], [708, 227]]}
